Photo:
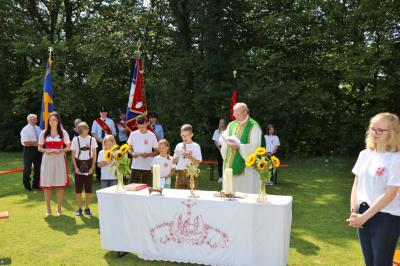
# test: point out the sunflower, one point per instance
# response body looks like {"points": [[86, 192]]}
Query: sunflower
{"points": [[251, 159], [124, 148], [118, 155], [261, 151], [275, 161], [114, 147], [262, 165], [107, 155]]}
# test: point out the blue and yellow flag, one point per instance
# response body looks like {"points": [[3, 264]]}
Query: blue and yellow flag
{"points": [[47, 102]]}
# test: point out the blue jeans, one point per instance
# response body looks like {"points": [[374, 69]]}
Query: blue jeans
{"points": [[378, 237], [108, 183]]}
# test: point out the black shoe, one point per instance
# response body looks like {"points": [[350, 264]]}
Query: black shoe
{"points": [[28, 190], [78, 212], [87, 212]]}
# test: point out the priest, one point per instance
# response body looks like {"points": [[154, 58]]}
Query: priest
{"points": [[242, 136]]}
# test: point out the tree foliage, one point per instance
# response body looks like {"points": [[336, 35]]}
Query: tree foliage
{"points": [[316, 69]]}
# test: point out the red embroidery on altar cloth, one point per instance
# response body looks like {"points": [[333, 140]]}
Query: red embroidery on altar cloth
{"points": [[185, 230], [379, 171]]}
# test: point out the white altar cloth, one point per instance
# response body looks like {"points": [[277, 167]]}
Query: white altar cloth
{"points": [[205, 230]]}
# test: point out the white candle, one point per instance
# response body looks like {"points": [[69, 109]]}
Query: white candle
{"points": [[228, 181], [156, 176]]}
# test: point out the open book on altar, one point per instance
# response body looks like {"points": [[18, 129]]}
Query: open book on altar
{"points": [[135, 187], [231, 139]]}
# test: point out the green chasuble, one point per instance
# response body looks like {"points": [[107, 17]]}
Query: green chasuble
{"points": [[241, 131]]}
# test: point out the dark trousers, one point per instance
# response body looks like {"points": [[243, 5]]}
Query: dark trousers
{"points": [[220, 163], [274, 177], [98, 169], [183, 181], [378, 238], [31, 155], [141, 176]]}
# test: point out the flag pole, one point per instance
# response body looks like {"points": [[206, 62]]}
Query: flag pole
{"points": [[50, 51], [138, 52], [234, 96]]}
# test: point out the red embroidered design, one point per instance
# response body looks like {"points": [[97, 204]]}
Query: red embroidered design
{"points": [[165, 165], [194, 231], [379, 171], [190, 152], [146, 142]]}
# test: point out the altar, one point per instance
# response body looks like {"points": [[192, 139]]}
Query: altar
{"points": [[206, 230]]}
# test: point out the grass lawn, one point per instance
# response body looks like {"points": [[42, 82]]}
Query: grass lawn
{"points": [[320, 235]]}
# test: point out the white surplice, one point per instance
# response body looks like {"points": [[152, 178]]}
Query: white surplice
{"points": [[249, 180]]}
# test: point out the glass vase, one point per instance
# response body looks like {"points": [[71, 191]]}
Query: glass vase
{"points": [[120, 184], [262, 195]]}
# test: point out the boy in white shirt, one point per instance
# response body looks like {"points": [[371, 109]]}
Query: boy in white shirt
{"points": [[164, 160], [83, 157], [143, 146], [186, 152]]}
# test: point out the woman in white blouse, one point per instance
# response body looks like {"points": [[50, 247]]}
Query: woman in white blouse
{"points": [[375, 199], [54, 143]]}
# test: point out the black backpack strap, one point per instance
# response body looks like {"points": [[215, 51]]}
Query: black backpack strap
{"points": [[90, 148], [79, 147]]}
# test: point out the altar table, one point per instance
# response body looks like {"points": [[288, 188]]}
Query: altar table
{"points": [[206, 230]]}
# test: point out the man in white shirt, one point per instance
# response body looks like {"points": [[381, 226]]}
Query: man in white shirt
{"points": [[102, 126], [29, 139]]}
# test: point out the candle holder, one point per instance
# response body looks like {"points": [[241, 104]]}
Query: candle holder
{"points": [[192, 171], [151, 190], [235, 195], [224, 195]]}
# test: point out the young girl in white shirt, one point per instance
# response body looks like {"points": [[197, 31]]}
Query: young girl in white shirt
{"points": [[164, 160], [271, 145], [375, 199], [108, 177]]}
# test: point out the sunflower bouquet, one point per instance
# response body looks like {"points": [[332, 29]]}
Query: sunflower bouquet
{"points": [[266, 166], [118, 155]]}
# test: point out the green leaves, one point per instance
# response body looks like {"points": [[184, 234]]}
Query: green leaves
{"points": [[316, 69]]}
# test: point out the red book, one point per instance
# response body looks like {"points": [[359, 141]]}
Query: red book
{"points": [[3, 215], [135, 187]]}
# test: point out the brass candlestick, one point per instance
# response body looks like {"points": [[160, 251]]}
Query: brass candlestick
{"points": [[192, 171]]}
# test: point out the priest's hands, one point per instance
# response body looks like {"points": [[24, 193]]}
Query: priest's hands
{"points": [[233, 145]]}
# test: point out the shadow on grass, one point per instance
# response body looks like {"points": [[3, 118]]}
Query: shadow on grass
{"points": [[90, 222], [320, 201], [5, 261], [303, 246], [68, 225], [63, 223], [132, 259]]}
